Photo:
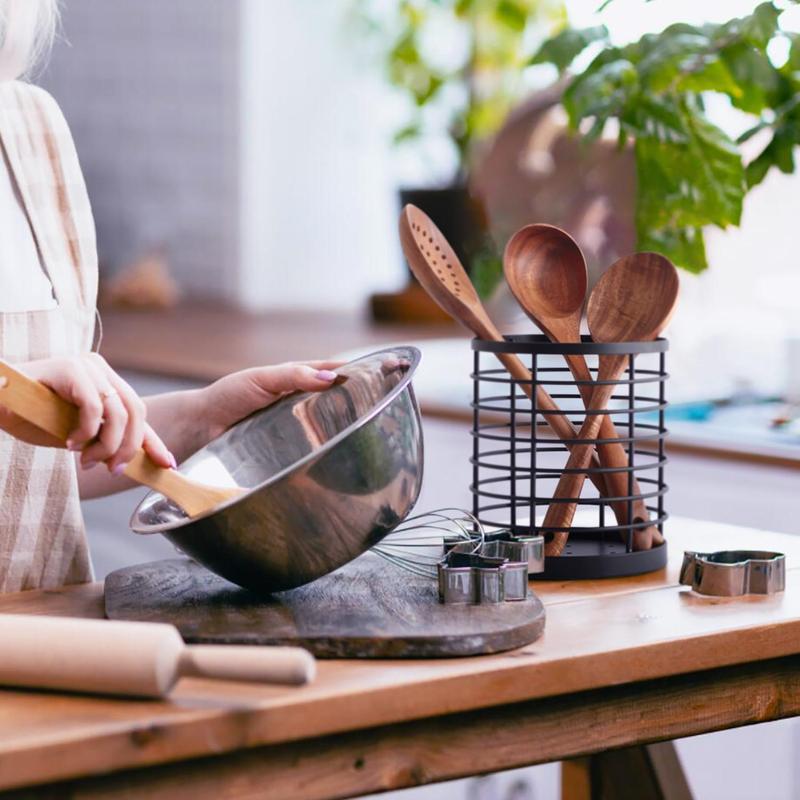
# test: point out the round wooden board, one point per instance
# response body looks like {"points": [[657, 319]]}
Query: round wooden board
{"points": [[367, 609]]}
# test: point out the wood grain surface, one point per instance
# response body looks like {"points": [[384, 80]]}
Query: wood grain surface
{"points": [[608, 639], [367, 609], [459, 745]]}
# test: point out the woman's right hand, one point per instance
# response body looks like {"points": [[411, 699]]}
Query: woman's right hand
{"points": [[111, 416]]}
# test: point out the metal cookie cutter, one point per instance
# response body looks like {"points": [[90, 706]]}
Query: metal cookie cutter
{"points": [[731, 573], [473, 578], [529, 549]]}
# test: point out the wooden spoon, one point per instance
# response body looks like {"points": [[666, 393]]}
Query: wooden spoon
{"points": [[546, 271], [632, 302], [441, 274], [41, 406]]}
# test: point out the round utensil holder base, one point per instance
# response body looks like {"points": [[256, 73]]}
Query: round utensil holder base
{"points": [[517, 460], [596, 555]]}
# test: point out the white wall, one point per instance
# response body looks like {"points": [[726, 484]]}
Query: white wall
{"points": [[150, 91], [263, 169], [318, 221]]}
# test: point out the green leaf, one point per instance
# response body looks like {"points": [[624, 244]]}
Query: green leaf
{"points": [[685, 247], [411, 131], [779, 153], [563, 48], [756, 29], [793, 62], [757, 80], [713, 76], [689, 175], [486, 269], [662, 56], [601, 90], [512, 14]]}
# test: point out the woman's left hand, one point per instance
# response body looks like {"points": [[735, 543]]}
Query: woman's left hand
{"points": [[236, 396]]}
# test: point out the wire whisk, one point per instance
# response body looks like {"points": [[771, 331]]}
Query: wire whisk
{"points": [[419, 542]]}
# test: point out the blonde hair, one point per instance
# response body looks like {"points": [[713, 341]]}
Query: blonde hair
{"points": [[27, 30]]}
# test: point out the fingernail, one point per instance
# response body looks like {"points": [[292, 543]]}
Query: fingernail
{"points": [[72, 445], [119, 469], [172, 461], [89, 464], [326, 375]]}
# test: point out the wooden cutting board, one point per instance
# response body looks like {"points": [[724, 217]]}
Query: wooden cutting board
{"points": [[367, 609]]}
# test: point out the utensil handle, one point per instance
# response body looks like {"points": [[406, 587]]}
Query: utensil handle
{"points": [[42, 407], [612, 456], [560, 514], [291, 666], [558, 422], [36, 403]]}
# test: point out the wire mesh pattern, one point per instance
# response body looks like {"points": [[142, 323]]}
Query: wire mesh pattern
{"points": [[517, 460]]}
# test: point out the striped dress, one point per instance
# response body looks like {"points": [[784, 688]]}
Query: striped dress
{"points": [[42, 539]]}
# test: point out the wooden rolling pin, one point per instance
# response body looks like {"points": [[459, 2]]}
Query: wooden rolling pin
{"points": [[139, 659]]}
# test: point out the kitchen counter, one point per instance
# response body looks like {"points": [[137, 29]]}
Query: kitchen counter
{"points": [[204, 342], [623, 662]]}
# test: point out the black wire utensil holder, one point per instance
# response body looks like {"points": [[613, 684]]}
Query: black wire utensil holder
{"points": [[517, 460]]}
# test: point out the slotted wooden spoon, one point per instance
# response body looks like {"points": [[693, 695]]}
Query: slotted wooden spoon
{"points": [[546, 271], [441, 274], [42, 407], [632, 302]]}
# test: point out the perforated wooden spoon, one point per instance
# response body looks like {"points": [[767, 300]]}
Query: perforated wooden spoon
{"points": [[42, 407], [546, 271], [441, 274], [632, 302]]}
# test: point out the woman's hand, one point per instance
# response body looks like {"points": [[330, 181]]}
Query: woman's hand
{"points": [[111, 422], [237, 395]]}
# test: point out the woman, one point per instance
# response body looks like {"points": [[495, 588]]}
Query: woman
{"points": [[48, 284]]}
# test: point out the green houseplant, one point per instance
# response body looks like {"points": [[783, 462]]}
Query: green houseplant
{"points": [[691, 173], [460, 65], [653, 93]]}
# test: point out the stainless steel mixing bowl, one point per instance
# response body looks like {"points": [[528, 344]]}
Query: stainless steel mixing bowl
{"points": [[328, 475]]}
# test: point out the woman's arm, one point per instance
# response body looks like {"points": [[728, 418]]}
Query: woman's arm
{"points": [[188, 420]]}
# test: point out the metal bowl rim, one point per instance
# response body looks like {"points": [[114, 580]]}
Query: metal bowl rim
{"points": [[414, 355]]}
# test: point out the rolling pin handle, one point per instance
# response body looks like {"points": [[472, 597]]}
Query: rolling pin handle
{"points": [[291, 666]]}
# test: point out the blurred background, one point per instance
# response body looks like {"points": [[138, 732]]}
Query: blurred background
{"points": [[253, 154], [247, 161]]}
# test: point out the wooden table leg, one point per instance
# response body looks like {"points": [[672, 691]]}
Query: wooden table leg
{"points": [[650, 772], [576, 782]]}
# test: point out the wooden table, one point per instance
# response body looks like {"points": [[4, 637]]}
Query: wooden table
{"points": [[622, 663]]}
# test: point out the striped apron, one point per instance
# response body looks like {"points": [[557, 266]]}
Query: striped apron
{"points": [[42, 539]]}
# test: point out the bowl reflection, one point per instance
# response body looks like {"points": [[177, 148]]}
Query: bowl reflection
{"points": [[328, 475]]}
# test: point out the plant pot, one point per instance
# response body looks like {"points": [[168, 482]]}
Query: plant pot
{"points": [[457, 213], [460, 217]]}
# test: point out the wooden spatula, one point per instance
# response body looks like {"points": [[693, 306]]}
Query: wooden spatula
{"points": [[546, 271], [437, 268], [42, 407], [633, 302]]}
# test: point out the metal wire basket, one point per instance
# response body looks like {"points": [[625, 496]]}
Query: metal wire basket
{"points": [[517, 461]]}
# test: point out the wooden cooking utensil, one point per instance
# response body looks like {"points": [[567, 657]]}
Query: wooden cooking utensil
{"points": [[546, 271], [39, 405], [632, 302], [137, 659], [441, 274]]}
